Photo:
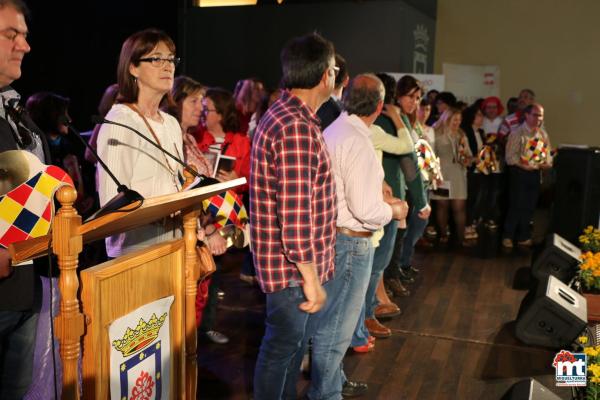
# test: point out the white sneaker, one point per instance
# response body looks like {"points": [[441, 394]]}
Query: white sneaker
{"points": [[216, 337]]}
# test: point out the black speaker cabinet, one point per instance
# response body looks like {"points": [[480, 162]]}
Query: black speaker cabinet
{"points": [[529, 389], [577, 191], [558, 257], [552, 316]]}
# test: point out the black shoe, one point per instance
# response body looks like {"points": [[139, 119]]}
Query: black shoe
{"points": [[405, 276], [411, 271], [354, 389]]}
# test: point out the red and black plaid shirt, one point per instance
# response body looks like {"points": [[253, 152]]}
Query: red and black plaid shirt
{"points": [[292, 196]]}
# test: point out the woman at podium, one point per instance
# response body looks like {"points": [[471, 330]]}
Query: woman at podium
{"points": [[145, 77]]}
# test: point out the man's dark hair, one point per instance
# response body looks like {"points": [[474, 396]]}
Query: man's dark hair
{"points": [[529, 108], [531, 92], [340, 62], [363, 94], [304, 59], [389, 83], [18, 5]]}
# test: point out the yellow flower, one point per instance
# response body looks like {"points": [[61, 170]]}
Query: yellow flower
{"points": [[595, 369], [590, 351], [583, 339]]}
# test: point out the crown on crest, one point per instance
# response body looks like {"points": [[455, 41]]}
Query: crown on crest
{"points": [[421, 37], [139, 338]]}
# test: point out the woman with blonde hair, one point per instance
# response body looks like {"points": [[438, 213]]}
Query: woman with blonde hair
{"points": [[451, 146]]}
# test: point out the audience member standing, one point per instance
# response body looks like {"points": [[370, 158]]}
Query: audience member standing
{"points": [[332, 108], [361, 211], [18, 310], [524, 174], [453, 150], [293, 214], [514, 120]]}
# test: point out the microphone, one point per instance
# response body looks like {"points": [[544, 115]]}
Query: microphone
{"points": [[124, 197], [204, 180], [24, 136]]}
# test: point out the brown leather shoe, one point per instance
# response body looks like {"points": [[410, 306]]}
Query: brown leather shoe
{"points": [[388, 310], [376, 329], [397, 288]]}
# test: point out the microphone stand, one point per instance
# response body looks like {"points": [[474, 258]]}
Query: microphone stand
{"points": [[124, 197], [204, 180]]}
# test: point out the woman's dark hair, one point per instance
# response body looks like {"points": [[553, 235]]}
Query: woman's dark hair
{"points": [[447, 98], [134, 48], [389, 83], [108, 99], [46, 110], [304, 60], [424, 102], [183, 87], [225, 105], [406, 85], [468, 116]]}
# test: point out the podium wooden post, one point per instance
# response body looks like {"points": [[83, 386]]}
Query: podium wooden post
{"points": [[67, 245], [69, 235]]}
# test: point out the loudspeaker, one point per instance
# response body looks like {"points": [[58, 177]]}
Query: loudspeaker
{"points": [[529, 389], [558, 258], [552, 315], [577, 191]]}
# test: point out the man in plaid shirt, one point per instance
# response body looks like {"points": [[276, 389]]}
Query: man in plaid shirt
{"points": [[293, 213]]}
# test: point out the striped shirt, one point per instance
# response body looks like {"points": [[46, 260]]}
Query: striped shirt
{"points": [[292, 196], [358, 175]]}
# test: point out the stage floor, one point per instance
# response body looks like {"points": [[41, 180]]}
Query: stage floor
{"points": [[454, 339]]}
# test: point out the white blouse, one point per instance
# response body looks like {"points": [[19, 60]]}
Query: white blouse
{"points": [[141, 167]]}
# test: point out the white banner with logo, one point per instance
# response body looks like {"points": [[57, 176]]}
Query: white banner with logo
{"points": [[429, 81], [472, 82], [140, 356]]}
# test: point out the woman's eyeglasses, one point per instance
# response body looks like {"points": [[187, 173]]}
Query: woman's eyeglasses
{"points": [[159, 61]]}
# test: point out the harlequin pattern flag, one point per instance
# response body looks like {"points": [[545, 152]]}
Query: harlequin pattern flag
{"points": [[227, 209], [536, 151], [428, 162], [487, 162], [26, 211], [140, 355]]}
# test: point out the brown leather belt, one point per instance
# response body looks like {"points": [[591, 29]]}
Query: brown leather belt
{"points": [[351, 233]]}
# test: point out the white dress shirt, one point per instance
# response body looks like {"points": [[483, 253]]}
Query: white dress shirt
{"points": [[358, 175]]}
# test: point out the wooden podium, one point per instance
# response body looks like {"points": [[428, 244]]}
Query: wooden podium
{"points": [[117, 287]]}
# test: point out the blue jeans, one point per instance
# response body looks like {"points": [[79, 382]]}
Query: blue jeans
{"points": [[17, 342], [414, 230], [345, 296], [381, 259], [286, 332]]}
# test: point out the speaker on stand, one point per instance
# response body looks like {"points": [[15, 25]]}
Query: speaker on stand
{"points": [[529, 389], [558, 257], [551, 316]]}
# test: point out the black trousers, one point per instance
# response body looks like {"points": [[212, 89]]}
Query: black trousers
{"points": [[523, 192]]}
